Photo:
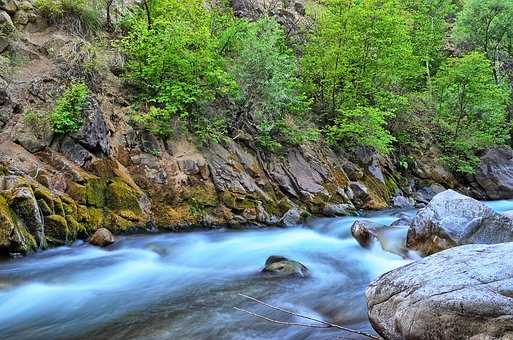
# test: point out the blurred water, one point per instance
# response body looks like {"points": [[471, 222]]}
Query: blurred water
{"points": [[184, 286]]}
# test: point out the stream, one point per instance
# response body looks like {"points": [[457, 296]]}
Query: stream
{"points": [[184, 286]]}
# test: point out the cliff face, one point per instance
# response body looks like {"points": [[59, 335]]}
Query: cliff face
{"points": [[57, 188]]}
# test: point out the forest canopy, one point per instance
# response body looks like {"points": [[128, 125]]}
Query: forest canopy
{"points": [[394, 76]]}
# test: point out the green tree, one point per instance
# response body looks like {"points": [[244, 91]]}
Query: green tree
{"points": [[266, 71], [471, 109], [428, 32], [485, 25], [175, 62]]}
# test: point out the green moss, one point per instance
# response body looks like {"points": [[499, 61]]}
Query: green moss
{"points": [[120, 224], [237, 202], [43, 193], [6, 223], [59, 207], [95, 192], [43, 206], [56, 230], [78, 192], [76, 229], [120, 196]]}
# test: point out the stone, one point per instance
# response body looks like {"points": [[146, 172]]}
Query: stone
{"points": [[495, 173], [365, 199], [281, 266], [425, 194], [292, 217], [332, 210], [24, 204], [402, 202], [56, 230], [9, 6], [75, 152], [391, 238], [461, 293], [102, 238], [94, 134], [452, 219]]}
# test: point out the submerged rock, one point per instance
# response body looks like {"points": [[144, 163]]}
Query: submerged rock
{"points": [[452, 219], [282, 267], [391, 238], [102, 238], [460, 293]]}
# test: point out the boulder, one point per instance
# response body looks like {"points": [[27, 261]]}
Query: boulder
{"points": [[24, 204], [391, 238], [402, 202], [102, 238], [282, 267], [452, 219], [495, 173], [460, 293], [293, 217], [333, 210]]}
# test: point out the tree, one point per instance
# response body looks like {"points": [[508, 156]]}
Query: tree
{"points": [[174, 61], [485, 25], [471, 109], [366, 52], [428, 32], [266, 72]]}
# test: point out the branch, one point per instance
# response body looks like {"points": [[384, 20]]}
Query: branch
{"points": [[280, 322], [325, 323]]}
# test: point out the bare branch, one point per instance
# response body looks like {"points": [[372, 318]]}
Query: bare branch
{"points": [[280, 322], [325, 323]]}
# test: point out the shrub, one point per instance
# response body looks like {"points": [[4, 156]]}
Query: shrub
{"points": [[361, 126], [39, 122], [67, 114], [84, 15]]}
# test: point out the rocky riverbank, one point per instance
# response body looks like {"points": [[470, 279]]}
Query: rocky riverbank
{"points": [[462, 290], [55, 188]]}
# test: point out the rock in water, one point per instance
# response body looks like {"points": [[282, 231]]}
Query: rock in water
{"points": [[282, 266], [452, 219], [102, 238], [391, 238], [461, 293], [495, 173]]}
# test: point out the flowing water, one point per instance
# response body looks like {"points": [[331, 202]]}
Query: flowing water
{"points": [[184, 286]]}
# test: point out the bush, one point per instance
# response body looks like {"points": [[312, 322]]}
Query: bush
{"points": [[39, 122], [84, 15], [67, 115], [361, 126]]}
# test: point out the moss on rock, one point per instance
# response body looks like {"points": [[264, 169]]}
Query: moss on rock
{"points": [[56, 230]]}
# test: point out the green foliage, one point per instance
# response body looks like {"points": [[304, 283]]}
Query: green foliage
{"points": [[267, 75], [86, 11], [361, 126], [471, 112], [39, 122], [485, 25], [175, 62], [67, 114], [366, 55]]}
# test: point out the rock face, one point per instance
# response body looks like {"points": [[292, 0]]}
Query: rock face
{"points": [[102, 238], [495, 173], [283, 267], [460, 293], [452, 219]]}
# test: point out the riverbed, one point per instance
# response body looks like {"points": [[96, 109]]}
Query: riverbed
{"points": [[184, 286]]}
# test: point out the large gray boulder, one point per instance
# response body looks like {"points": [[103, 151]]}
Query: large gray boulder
{"points": [[452, 219], [495, 173], [461, 293]]}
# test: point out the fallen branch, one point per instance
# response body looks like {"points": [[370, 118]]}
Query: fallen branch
{"points": [[325, 323], [280, 322]]}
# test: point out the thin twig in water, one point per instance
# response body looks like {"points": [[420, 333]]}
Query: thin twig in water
{"points": [[325, 323], [280, 322]]}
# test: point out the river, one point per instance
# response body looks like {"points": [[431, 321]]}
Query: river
{"points": [[184, 286]]}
